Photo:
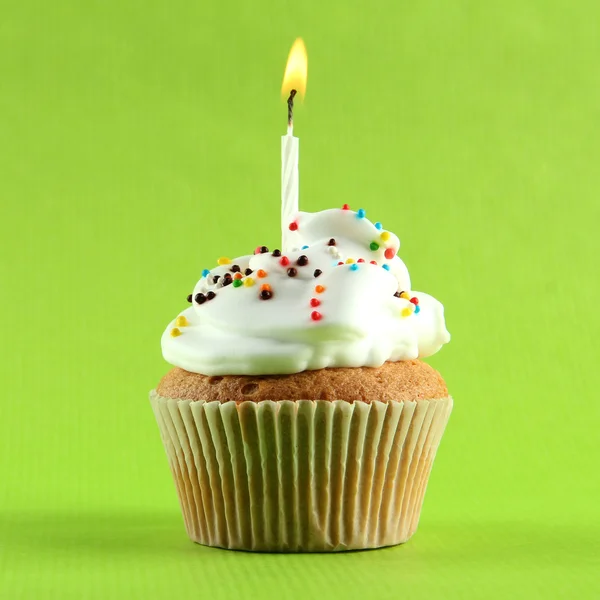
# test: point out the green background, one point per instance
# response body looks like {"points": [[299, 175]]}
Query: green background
{"points": [[139, 141]]}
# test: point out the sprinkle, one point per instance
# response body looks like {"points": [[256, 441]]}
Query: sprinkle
{"points": [[378, 225], [227, 279], [302, 260], [340, 263], [265, 295], [345, 207], [374, 246], [314, 302], [417, 310], [265, 286], [249, 282], [263, 250], [386, 267], [257, 250], [210, 295], [354, 267], [235, 269], [181, 321], [333, 250], [406, 312], [200, 298], [189, 298], [276, 252], [175, 332], [385, 236], [224, 261], [237, 277], [397, 294], [316, 315], [361, 260], [360, 213], [317, 272], [284, 261], [390, 253], [292, 272], [304, 247], [205, 273], [261, 273], [373, 262], [331, 242], [320, 289], [216, 278], [248, 271], [349, 261], [405, 295], [414, 300], [293, 226], [238, 283]]}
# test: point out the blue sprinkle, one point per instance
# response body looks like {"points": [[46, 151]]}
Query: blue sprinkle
{"points": [[354, 267], [417, 309], [378, 225], [386, 267], [304, 247], [360, 213], [205, 273]]}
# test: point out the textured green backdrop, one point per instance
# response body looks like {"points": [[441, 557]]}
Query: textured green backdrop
{"points": [[140, 140]]}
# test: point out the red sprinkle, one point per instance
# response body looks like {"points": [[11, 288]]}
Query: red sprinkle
{"points": [[345, 207], [316, 316], [257, 251], [340, 263], [390, 253], [293, 226], [373, 262], [284, 261], [361, 260], [314, 302], [415, 300]]}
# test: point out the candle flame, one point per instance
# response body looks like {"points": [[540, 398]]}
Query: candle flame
{"points": [[295, 70]]}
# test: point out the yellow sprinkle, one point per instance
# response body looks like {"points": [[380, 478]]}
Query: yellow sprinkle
{"points": [[224, 261], [405, 295], [248, 282], [175, 332], [349, 261], [181, 321], [406, 312], [385, 236]]}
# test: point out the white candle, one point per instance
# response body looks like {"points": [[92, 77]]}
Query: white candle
{"points": [[294, 82], [289, 184]]}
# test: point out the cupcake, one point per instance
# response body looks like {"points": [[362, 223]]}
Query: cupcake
{"points": [[298, 416]]}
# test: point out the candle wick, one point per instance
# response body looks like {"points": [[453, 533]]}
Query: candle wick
{"points": [[290, 104]]}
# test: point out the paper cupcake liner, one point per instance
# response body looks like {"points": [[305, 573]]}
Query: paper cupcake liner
{"points": [[302, 476]]}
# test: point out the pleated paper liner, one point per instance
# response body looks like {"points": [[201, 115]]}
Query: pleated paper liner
{"points": [[303, 476]]}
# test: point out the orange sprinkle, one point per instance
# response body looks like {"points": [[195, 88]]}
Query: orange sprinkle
{"points": [[320, 289], [261, 273], [265, 287], [238, 276]]}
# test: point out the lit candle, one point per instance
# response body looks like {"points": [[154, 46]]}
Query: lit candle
{"points": [[294, 84]]}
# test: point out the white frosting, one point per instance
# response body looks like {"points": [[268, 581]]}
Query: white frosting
{"points": [[361, 324]]}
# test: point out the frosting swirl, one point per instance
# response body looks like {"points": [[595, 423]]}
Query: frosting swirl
{"points": [[340, 298]]}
